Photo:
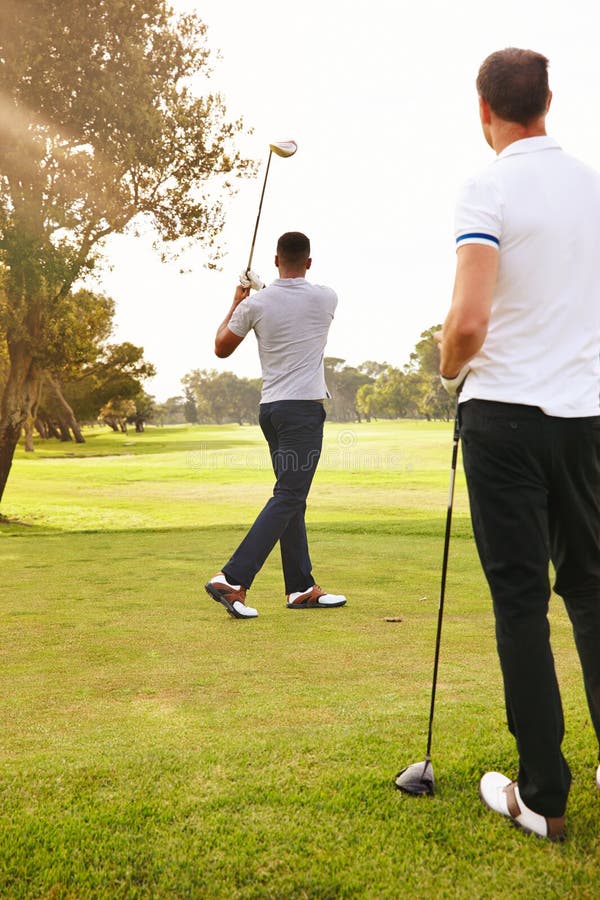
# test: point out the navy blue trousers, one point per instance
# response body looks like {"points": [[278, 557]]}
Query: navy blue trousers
{"points": [[534, 490], [294, 433]]}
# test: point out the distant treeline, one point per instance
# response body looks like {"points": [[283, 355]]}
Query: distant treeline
{"points": [[88, 380], [371, 390]]}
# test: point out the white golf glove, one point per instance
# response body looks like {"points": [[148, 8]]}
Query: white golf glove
{"points": [[250, 279], [453, 385]]}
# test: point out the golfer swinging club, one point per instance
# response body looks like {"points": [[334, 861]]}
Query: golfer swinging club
{"points": [[523, 333], [291, 320]]}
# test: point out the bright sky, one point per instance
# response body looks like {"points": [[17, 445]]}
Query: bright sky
{"points": [[380, 98]]}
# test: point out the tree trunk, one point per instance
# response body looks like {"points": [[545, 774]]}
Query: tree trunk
{"points": [[41, 427], [72, 422], [65, 434], [18, 399], [28, 429]]}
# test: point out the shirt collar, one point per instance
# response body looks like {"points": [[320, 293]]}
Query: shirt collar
{"points": [[530, 145]]}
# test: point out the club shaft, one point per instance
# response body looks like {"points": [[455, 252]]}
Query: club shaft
{"points": [[438, 639], [259, 211]]}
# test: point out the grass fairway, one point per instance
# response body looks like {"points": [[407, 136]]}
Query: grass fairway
{"points": [[153, 747]]}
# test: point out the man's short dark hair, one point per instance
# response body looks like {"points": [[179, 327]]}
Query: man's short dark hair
{"points": [[514, 84], [293, 248]]}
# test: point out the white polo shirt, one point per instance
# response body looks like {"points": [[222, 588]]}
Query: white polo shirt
{"points": [[541, 209], [291, 319]]}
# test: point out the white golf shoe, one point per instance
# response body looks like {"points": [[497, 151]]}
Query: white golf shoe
{"points": [[501, 795]]}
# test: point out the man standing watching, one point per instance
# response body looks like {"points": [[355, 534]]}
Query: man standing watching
{"points": [[522, 337], [291, 320]]}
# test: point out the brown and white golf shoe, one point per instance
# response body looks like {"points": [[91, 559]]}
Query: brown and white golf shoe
{"points": [[231, 596], [314, 598]]}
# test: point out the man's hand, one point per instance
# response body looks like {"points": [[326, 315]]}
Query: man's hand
{"points": [[451, 383], [241, 292], [250, 279]]}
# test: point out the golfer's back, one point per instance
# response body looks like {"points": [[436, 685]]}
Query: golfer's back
{"points": [[291, 319]]}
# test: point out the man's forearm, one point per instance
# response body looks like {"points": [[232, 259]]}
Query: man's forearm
{"points": [[225, 323], [458, 347], [225, 340]]}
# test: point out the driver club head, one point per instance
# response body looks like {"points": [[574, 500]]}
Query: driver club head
{"points": [[416, 779], [284, 148]]}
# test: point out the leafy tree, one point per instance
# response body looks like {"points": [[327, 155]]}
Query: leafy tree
{"points": [[74, 344], [222, 396], [190, 410], [114, 373], [171, 412], [145, 408], [116, 413], [366, 401], [395, 395], [117, 375], [372, 369], [343, 382], [433, 401], [99, 125]]}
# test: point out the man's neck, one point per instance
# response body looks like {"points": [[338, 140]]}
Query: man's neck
{"points": [[292, 273], [504, 133]]}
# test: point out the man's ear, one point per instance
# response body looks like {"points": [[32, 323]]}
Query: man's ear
{"points": [[485, 113], [276, 261], [549, 100], [308, 263]]}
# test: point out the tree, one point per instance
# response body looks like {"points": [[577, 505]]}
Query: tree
{"points": [[222, 396], [171, 411], [395, 396], [145, 408], [343, 382], [366, 401], [74, 344], [433, 401], [117, 412], [98, 126], [190, 410]]}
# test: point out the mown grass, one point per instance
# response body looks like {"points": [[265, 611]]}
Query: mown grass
{"points": [[153, 747]]}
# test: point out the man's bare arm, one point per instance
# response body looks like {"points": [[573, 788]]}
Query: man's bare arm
{"points": [[226, 341], [466, 324]]}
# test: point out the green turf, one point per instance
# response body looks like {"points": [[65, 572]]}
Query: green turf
{"points": [[153, 747]]}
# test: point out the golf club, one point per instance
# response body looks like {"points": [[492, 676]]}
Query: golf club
{"points": [[418, 778], [283, 149]]}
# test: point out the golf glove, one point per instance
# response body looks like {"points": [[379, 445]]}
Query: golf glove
{"points": [[453, 385], [250, 279]]}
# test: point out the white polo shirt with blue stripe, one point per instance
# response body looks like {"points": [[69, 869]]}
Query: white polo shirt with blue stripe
{"points": [[540, 208]]}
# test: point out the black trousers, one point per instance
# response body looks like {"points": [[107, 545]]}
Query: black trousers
{"points": [[294, 432], [534, 490]]}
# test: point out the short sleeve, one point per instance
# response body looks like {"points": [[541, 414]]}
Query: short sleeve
{"points": [[241, 321], [478, 217]]}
